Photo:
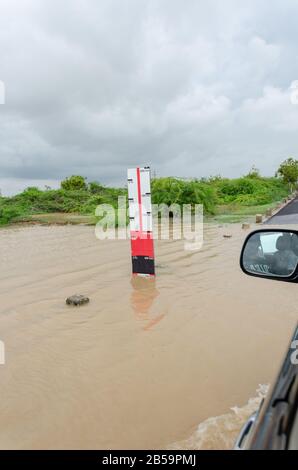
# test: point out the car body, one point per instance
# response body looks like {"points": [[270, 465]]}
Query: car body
{"points": [[273, 254]]}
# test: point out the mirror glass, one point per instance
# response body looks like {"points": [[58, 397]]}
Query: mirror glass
{"points": [[271, 253]]}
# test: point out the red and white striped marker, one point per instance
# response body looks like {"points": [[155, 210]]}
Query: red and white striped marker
{"points": [[140, 216]]}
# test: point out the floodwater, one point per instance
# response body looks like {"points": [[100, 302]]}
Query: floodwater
{"points": [[179, 362]]}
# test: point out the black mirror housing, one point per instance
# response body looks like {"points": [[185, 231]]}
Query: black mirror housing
{"points": [[271, 254]]}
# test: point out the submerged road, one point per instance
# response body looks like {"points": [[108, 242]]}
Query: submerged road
{"points": [[288, 215]]}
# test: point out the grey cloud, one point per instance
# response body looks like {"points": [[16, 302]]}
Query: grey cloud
{"points": [[189, 88]]}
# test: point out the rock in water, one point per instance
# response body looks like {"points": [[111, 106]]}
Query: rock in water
{"points": [[77, 300]]}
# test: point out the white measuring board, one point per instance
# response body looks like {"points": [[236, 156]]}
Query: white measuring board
{"points": [[141, 224]]}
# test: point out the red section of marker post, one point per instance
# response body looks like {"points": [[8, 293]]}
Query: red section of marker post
{"points": [[142, 246], [140, 215]]}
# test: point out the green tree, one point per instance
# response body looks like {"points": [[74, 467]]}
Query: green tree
{"points": [[288, 170], [95, 187], [254, 172], [74, 183]]}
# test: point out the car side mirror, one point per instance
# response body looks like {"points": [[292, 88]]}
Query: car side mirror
{"points": [[271, 254]]}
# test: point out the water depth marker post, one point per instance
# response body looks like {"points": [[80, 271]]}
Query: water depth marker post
{"points": [[141, 224]]}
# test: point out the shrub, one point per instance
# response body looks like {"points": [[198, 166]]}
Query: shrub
{"points": [[173, 191], [74, 183], [95, 188], [7, 214]]}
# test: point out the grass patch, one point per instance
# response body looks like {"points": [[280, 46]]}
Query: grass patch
{"points": [[56, 219], [236, 213]]}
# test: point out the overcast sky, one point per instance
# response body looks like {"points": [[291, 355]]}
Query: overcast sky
{"points": [[190, 87]]}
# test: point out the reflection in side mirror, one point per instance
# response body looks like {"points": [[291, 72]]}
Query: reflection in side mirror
{"points": [[270, 253]]}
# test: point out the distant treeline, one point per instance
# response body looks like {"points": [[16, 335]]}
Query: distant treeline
{"points": [[78, 196]]}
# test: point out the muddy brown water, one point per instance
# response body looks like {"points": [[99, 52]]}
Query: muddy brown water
{"points": [[174, 363]]}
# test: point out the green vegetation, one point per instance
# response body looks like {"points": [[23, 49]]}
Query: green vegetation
{"points": [[241, 198], [288, 170], [224, 199], [249, 191], [32, 203], [74, 183], [176, 191]]}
